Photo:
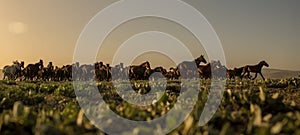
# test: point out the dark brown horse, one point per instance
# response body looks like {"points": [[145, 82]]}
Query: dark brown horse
{"points": [[236, 72], [230, 74], [68, 72], [32, 70], [59, 73], [254, 69], [47, 73], [102, 72], [159, 69], [215, 68], [139, 72], [204, 71]]}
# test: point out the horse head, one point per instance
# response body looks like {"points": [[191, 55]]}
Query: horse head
{"points": [[146, 64], [22, 64], [160, 69], [264, 63], [41, 63], [17, 65], [16, 62], [200, 59]]}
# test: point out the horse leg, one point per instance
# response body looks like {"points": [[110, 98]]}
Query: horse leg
{"points": [[243, 74], [249, 75], [241, 77], [262, 76], [10, 76], [254, 76]]}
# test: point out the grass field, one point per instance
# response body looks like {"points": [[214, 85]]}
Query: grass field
{"points": [[247, 107]]}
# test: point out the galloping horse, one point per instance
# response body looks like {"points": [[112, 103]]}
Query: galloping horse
{"points": [[204, 71], [215, 67], [47, 73], [254, 69], [189, 68], [236, 72], [159, 69], [139, 72], [32, 70], [230, 74], [12, 72], [102, 72]]}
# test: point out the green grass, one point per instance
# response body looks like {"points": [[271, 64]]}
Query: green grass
{"points": [[247, 107]]}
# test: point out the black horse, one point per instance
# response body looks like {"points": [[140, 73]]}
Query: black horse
{"points": [[139, 72], [254, 69], [32, 70]]}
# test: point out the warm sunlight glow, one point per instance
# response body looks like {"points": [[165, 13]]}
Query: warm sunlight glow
{"points": [[17, 27]]}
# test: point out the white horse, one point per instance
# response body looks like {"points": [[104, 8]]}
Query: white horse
{"points": [[11, 72]]}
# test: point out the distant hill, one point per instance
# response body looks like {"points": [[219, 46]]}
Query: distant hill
{"points": [[279, 74]]}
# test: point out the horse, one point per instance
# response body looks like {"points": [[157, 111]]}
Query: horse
{"points": [[59, 73], [159, 69], [204, 71], [139, 72], [21, 71], [12, 71], [188, 67], [230, 74], [254, 69], [236, 72], [215, 67], [102, 72], [32, 70], [47, 73], [67, 72], [173, 74], [108, 72]]}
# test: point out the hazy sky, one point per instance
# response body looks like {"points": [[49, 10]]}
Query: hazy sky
{"points": [[250, 31]]}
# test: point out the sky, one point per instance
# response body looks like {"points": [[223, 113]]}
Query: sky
{"points": [[249, 31]]}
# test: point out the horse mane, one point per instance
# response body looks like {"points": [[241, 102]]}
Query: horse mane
{"points": [[146, 62], [262, 62]]}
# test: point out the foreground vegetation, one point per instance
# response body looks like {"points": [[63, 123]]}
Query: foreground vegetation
{"points": [[247, 107]]}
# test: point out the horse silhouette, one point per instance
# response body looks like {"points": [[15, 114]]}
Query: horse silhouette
{"points": [[254, 69]]}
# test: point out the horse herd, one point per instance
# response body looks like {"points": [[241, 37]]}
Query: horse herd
{"points": [[104, 72]]}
